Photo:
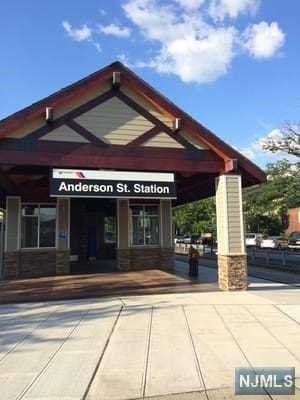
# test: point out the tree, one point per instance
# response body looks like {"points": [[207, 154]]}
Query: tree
{"points": [[195, 218], [265, 206], [286, 140]]}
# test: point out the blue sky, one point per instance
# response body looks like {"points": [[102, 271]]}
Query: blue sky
{"points": [[232, 64]]}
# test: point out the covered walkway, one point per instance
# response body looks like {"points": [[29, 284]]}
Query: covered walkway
{"points": [[107, 284]]}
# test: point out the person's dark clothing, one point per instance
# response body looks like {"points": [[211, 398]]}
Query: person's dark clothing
{"points": [[193, 262]]}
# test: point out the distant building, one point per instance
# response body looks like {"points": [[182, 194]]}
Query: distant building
{"points": [[293, 220]]}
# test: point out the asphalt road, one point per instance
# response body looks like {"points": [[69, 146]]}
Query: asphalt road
{"points": [[256, 271]]}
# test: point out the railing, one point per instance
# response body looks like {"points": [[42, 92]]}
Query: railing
{"points": [[283, 259], [183, 248]]}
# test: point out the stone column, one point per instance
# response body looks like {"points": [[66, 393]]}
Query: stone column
{"points": [[232, 258]]}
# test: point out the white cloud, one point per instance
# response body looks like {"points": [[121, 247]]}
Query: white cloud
{"points": [[125, 60], [248, 152], [220, 9], [97, 46], [115, 30], [263, 40], [81, 34], [160, 22], [256, 152], [189, 47], [190, 5], [198, 60], [78, 34], [275, 135], [197, 40]]}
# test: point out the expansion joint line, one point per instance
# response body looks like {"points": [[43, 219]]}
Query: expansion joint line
{"points": [[144, 382], [272, 334], [238, 345], [102, 354], [21, 396], [26, 336], [287, 315], [198, 365]]}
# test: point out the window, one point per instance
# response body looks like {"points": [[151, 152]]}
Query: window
{"points": [[144, 225], [110, 230], [38, 225]]}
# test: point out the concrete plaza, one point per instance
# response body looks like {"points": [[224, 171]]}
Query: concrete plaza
{"points": [[164, 346]]}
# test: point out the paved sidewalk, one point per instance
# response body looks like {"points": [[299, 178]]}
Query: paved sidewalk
{"points": [[170, 346]]}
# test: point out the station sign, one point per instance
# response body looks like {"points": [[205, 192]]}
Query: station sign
{"points": [[111, 184]]}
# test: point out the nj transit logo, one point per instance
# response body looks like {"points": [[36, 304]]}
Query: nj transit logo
{"points": [[258, 381]]}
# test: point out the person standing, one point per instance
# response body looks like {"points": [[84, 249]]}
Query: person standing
{"points": [[193, 262]]}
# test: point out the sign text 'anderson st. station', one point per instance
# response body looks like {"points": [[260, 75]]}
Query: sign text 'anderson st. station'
{"points": [[113, 184]]}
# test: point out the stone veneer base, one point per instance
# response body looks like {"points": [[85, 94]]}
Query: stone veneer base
{"points": [[35, 263], [232, 272], [134, 259]]}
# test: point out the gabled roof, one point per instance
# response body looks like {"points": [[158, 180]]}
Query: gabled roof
{"points": [[198, 131]]}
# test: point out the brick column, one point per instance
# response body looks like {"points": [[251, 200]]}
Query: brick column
{"points": [[232, 258]]}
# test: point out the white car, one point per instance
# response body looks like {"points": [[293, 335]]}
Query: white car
{"points": [[178, 239], [294, 241], [253, 239], [274, 242]]}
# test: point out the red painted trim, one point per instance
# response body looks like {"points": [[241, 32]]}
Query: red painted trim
{"points": [[57, 99], [128, 77], [8, 184], [96, 159], [193, 127], [62, 148], [40, 132]]}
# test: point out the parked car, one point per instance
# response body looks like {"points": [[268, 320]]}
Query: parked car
{"points": [[253, 239], [178, 239], [192, 239], [274, 242], [207, 239], [294, 241]]}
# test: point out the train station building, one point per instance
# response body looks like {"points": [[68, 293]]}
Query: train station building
{"points": [[89, 176]]}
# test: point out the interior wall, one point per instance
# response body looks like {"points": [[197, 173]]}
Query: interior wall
{"points": [[88, 219]]}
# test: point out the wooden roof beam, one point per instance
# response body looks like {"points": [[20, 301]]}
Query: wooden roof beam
{"points": [[116, 79]]}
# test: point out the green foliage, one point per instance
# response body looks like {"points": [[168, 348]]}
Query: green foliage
{"points": [[264, 205], [195, 218]]}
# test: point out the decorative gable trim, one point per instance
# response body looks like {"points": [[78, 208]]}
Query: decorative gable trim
{"points": [[66, 118], [136, 84], [64, 133], [163, 140]]}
